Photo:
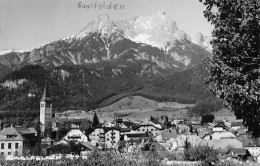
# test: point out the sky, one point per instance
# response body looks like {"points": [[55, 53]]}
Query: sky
{"points": [[25, 24]]}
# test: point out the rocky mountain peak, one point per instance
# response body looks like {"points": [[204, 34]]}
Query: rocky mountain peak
{"points": [[203, 41]]}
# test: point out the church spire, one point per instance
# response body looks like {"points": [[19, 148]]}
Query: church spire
{"points": [[46, 95]]}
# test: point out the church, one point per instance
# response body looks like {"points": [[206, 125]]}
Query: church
{"points": [[45, 112]]}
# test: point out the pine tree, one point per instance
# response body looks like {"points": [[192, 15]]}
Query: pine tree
{"points": [[234, 65], [95, 120]]}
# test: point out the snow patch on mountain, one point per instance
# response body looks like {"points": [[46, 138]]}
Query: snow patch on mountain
{"points": [[184, 59], [203, 41], [64, 74]]}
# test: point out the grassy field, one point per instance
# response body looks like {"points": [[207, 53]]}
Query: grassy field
{"points": [[225, 114], [137, 108]]}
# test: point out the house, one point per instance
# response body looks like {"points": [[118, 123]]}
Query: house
{"points": [[241, 132], [258, 159], [219, 127], [46, 141], [220, 144], [167, 134], [86, 148], [170, 144], [13, 139], [97, 135], [219, 135], [75, 134], [155, 129], [11, 142], [112, 137], [239, 153], [136, 137], [253, 150], [236, 125]]}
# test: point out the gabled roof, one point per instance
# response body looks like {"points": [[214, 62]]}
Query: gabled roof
{"points": [[220, 125], [46, 95], [10, 131], [148, 124], [87, 145], [25, 131]]}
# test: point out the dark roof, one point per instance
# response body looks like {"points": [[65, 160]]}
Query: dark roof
{"points": [[139, 135], [236, 124], [239, 151], [146, 124], [25, 131], [125, 129], [46, 95], [106, 129]]}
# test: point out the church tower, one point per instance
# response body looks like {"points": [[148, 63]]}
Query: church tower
{"points": [[45, 111]]}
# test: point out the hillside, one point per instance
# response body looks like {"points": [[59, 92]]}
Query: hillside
{"points": [[104, 62], [138, 108], [81, 87]]}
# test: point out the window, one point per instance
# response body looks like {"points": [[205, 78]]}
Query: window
{"points": [[16, 145], [9, 145], [9, 153], [2, 153], [2, 145], [107, 139], [48, 105], [151, 129], [42, 104], [143, 129]]}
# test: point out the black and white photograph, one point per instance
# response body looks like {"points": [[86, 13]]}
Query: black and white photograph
{"points": [[129, 82]]}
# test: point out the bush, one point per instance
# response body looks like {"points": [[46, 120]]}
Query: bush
{"points": [[206, 154]]}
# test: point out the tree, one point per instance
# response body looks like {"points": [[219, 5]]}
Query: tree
{"points": [[95, 120], [207, 118], [86, 125], [235, 60]]}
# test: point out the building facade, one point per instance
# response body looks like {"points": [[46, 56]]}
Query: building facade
{"points": [[13, 140], [112, 138], [75, 134], [45, 111]]}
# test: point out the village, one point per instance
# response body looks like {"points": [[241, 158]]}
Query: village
{"points": [[230, 139]]}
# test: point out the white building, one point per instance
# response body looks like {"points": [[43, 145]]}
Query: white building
{"points": [[219, 135], [45, 111], [75, 134], [149, 127], [97, 135], [112, 137], [253, 150], [13, 139]]}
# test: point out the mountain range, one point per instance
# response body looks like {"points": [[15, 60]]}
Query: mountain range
{"points": [[107, 57]]}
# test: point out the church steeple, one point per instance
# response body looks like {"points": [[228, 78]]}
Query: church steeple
{"points": [[46, 95], [45, 111]]}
